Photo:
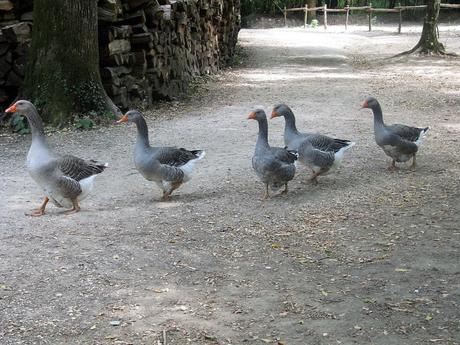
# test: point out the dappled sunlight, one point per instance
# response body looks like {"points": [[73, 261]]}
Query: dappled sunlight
{"points": [[429, 68], [452, 92], [452, 127], [292, 38], [287, 75]]}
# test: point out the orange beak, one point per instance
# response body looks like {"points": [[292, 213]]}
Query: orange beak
{"points": [[124, 118], [11, 109], [274, 114], [364, 105], [252, 115]]}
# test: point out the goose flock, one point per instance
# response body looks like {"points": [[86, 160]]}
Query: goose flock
{"points": [[66, 180]]}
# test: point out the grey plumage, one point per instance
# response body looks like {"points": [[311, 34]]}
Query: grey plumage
{"points": [[65, 180], [273, 165], [322, 154], [169, 167], [400, 142], [79, 169]]}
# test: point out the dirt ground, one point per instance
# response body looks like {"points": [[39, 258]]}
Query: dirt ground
{"points": [[365, 257]]}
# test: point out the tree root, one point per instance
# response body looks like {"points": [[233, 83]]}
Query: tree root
{"points": [[439, 51]]}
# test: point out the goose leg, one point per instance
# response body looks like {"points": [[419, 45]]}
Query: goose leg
{"points": [[392, 166], [414, 163], [314, 178], [285, 191], [266, 195], [75, 208], [167, 195], [40, 211]]}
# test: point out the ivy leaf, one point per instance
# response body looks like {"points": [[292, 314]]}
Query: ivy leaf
{"points": [[84, 123]]}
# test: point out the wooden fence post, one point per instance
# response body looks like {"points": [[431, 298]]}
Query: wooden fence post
{"points": [[306, 16], [370, 16], [285, 17], [325, 16], [346, 18], [400, 18]]}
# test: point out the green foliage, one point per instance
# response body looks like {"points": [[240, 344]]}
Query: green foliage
{"points": [[74, 102], [19, 124], [88, 97], [88, 121], [84, 123], [239, 57], [272, 7], [268, 6]]}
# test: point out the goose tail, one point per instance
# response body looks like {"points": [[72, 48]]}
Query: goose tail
{"points": [[190, 165], [199, 154], [421, 136]]}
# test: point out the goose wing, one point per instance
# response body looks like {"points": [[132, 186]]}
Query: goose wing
{"points": [[318, 156], [174, 156], [165, 171], [327, 144], [411, 134], [284, 155], [79, 169], [272, 168]]}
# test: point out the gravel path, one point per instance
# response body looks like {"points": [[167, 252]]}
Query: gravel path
{"points": [[365, 257]]}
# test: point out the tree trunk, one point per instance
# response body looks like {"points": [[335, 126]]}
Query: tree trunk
{"points": [[428, 43], [63, 76], [311, 14]]}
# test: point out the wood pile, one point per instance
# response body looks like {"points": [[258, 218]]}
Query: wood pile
{"points": [[149, 49], [152, 49], [15, 36]]}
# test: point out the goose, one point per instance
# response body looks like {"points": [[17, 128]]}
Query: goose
{"points": [[275, 166], [320, 153], [400, 142], [66, 180], [168, 167]]}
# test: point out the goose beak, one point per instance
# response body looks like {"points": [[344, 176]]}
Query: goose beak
{"points": [[124, 118], [252, 115], [11, 109], [364, 105], [274, 114]]}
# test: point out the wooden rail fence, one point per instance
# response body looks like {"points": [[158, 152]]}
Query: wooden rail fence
{"points": [[369, 9]]}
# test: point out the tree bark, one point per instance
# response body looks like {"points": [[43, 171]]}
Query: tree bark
{"points": [[63, 76], [429, 43], [311, 14]]}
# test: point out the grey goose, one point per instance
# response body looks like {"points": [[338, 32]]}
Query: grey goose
{"points": [[168, 167], [66, 180], [320, 153], [275, 166], [400, 142]]}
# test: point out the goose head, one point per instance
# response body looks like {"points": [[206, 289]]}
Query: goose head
{"points": [[22, 107], [281, 110], [131, 116], [370, 103], [258, 114]]}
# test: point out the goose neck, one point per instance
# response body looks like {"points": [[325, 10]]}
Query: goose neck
{"points": [[142, 133], [262, 138], [378, 116], [290, 123], [36, 124]]}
